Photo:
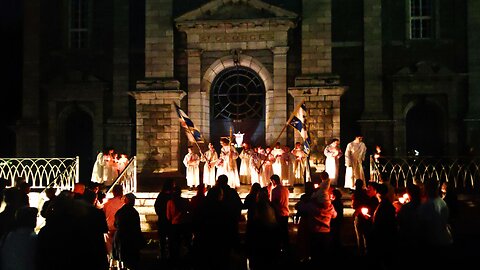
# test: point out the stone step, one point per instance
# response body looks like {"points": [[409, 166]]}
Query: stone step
{"points": [[145, 206]]}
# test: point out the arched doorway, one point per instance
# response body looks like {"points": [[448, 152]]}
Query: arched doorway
{"points": [[238, 102], [79, 141], [425, 129]]}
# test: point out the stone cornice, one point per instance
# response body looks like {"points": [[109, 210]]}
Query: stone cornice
{"points": [[243, 25], [155, 84], [317, 80]]}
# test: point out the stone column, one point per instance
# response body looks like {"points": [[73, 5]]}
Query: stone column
{"points": [[159, 51], [279, 98], [374, 122], [473, 117], [316, 37], [28, 134], [158, 128], [196, 110], [118, 126], [372, 44]]}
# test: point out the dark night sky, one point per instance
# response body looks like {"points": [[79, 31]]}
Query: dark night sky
{"points": [[11, 70]]}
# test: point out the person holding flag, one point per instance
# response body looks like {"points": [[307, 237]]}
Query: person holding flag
{"points": [[298, 120]]}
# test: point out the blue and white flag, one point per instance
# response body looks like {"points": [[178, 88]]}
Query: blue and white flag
{"points": [[193, 133], [299, 122]]}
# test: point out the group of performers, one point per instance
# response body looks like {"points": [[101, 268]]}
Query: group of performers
{"points": [[256, 166], [108, 165]]}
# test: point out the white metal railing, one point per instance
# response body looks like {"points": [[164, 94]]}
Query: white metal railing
{"points": [[128, 177], [464, 171], [41, 172]]}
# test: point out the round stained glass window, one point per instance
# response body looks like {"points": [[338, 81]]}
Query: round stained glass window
{"points": [[238, 93]]}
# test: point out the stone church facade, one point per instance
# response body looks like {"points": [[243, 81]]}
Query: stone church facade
{"points": [[376, 68]]}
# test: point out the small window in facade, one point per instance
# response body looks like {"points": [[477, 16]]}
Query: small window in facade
{"points": [[78, 24], [421, 19]]}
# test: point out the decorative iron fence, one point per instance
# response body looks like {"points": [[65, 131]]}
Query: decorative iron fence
{"points": [[41, 172], [464, 171]]}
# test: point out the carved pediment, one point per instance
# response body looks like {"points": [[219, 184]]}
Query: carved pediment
{"points": [[223, 11]]}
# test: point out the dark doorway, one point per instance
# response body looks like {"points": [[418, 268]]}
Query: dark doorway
{"points": [[79, 141], [238, 103], [425, 130]]}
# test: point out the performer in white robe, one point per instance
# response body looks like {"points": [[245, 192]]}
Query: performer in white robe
{"points": [[210, 158], [255, 168], [227, 163], [354, 156], [277, 163], [110, 172], [245, 156], [288, 160], [332, 154], [98, 166], [122, 163], [299, 164], [191, 162], [267, 166]]}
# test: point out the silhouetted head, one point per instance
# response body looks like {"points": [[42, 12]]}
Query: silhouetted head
{"points": [[222, 180]]}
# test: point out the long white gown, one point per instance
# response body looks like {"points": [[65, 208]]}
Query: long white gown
{"points": [[245, 172], [191, 162], [227, 165], [277, 163], [209, 167], [354, 156], [97, 171], [332, 154], [299, 165]]}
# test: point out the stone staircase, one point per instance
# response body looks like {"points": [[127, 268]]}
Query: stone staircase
{"points": [[145, 206]]}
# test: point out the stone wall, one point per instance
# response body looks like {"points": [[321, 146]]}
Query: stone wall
{"points": [[158, 130]]}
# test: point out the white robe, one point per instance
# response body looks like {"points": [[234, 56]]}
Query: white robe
{"points": [[97, 172], [299, 165], [354, 156], [191, 162], [110, 172], [245, 173], [332, 155], [227, 164], [255, 169], [267, 170], [277, 164], [209, 167], [288, 173]]}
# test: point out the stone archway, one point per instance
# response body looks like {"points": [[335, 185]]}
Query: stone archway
{"points": [[263, 77], [237, 99]]}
